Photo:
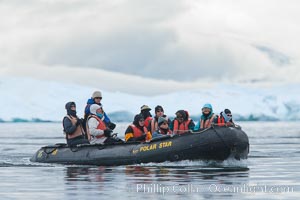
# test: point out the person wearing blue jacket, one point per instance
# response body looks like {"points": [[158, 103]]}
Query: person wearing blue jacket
{"points": [[206, 118], [96, 99]]}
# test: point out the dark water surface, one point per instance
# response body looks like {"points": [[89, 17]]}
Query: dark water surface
{"points": [[271, 171]]}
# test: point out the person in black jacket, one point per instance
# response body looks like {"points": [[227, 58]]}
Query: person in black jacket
{"points": [[73, 126]]}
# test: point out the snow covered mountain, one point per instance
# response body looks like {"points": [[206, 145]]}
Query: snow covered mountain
{"points": [[24, 99]]}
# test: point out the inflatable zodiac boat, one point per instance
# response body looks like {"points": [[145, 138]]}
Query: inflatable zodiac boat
{"points": [[215, 143]]}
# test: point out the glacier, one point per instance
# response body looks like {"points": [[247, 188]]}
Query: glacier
{"points": [[31, 100]]}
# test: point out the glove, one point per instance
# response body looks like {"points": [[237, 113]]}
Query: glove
{"points": [[111, 125], [107, 132], [79, 121]]}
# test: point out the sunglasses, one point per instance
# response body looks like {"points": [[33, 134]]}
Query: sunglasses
{"points": [[98, 97], [141, 120]]}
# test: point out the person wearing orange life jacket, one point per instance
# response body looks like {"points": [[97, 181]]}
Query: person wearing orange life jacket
{"points": [[182, 123], [206, 118], [137, 131], [145, 112], [73, 126], [224, 119], [97, 128]]}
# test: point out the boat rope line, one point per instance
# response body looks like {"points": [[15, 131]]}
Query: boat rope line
{"points": [[191, 131], [49, 152], [203, 130], [221, 138], [51, 149]]}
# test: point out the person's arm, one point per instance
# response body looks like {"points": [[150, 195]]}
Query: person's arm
{"points": [[106, 118], [69, 128], [191, 125], [197, 127], [87, 110], [215, 121], [171, 125], [129, 134], [93, 124], [148, 136]]}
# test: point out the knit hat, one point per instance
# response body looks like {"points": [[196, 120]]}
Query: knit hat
{"points": [[161, 120], [94, 108], [96, 94], [158, 107], [145, 107]]}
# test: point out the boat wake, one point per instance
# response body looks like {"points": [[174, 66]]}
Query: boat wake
{"points": [[22, 162], [230, 163]]}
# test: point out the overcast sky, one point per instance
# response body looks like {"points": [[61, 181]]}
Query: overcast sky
{"points": [[183, 41]]}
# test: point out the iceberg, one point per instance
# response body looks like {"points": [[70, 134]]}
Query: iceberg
{"points": [[30, 100]]}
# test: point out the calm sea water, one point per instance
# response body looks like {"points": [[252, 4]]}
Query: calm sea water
{"points": [[271, 171]]}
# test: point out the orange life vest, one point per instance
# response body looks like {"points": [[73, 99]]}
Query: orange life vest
{"points": [[138, 132], [101, 125], [181, 128], [147, 121], [207, 123], [221, 121]]}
